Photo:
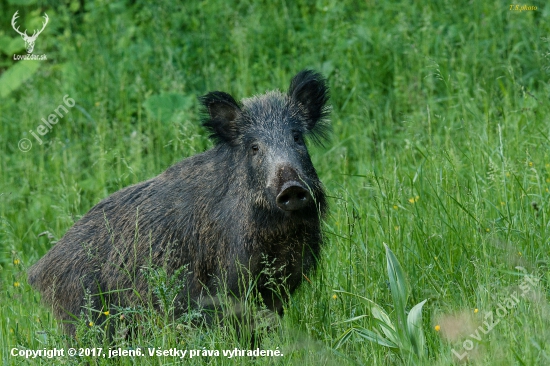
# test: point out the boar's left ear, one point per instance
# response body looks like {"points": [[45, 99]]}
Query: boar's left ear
{"points": [[310, 90], [223, 114]]}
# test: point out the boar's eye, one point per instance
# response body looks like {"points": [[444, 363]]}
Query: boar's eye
{"points": [[255, 149], [297, 137]]}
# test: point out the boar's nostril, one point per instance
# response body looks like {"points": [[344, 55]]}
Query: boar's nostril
{"points": [[293, 196]]}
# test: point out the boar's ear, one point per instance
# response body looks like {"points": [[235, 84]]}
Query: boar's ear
{"points": [[223, 113], [310, 90]]}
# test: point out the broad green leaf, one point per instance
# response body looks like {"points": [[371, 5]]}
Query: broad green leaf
{"points": [[385, 323], [10, 45], [414, 327], [378, 313], [351, 319], [375, 337], [381, 315], [16, 75], [398, 286]]}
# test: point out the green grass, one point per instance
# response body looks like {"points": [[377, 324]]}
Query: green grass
{"points": [[440, 149]]}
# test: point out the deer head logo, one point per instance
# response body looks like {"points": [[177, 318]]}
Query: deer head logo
{"points": [[29, 41]]}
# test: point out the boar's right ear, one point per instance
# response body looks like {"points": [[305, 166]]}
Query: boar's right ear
{"points": [[223, 113], [310, 90]]}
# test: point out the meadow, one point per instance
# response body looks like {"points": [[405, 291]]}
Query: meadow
{"points": [[440, 149]]}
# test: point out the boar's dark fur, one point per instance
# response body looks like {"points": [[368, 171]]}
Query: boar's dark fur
{"points": [[254, 197]]}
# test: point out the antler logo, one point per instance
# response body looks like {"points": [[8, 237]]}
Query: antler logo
{"points": [[29, 41]]}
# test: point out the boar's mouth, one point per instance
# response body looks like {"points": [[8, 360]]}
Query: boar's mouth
{"points": [[293, 196]]}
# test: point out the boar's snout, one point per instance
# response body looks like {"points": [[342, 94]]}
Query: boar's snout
{"points": [[292, 194]]}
